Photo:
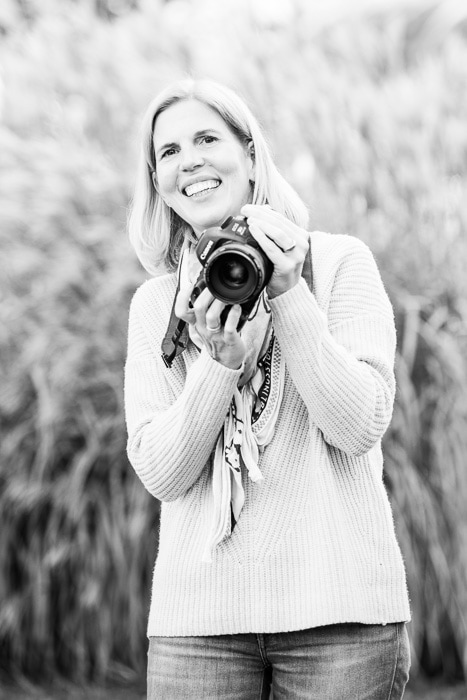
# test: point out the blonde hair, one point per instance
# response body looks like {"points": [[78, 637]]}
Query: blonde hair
{"points": [[156, 232]]}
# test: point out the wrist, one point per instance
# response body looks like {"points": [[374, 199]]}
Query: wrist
{"points": [[234, 363], [230, 363], [278, 291], [234, 368]]}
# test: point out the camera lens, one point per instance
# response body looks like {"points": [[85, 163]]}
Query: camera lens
{"points": [[234, 272], [233, 275]]}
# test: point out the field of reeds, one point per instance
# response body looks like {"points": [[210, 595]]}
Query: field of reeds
{"points": [[366, 111]]}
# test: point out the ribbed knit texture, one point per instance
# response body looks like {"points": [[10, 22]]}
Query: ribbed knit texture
{"points": [[315, 541]]}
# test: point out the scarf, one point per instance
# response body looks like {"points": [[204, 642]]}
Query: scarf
{"points": [[250, 421]]}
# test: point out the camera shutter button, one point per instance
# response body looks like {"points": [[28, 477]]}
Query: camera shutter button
{"points": [[227, 222]]}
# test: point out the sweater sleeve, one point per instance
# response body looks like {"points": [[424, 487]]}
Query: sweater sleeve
{"points": [[342, 362], [172, 424]]}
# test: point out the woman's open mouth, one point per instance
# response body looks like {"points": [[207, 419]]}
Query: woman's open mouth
{"points": [[198, 189]]}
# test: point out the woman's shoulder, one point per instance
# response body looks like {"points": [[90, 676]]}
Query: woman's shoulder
{"points": [[341, 259], [150, 310], [157, 292], [336, 245], [152, 303], [331, 252]]}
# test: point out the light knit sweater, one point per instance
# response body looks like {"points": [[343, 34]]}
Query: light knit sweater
{"points": [[315, 541]]}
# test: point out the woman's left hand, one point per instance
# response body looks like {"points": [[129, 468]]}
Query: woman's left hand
{"points": [[285, 244]]}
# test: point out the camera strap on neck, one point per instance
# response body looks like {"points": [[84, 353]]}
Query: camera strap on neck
{"points": [[176, 336]]}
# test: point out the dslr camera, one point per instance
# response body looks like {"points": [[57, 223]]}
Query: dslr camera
{"points": [[235, 268]]}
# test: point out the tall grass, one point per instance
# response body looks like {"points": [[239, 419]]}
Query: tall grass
{"points": [[366, 113], [76, 528], [425, 466]]}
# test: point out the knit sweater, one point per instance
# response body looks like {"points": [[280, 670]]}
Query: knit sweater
{"points": [[315, 541]]}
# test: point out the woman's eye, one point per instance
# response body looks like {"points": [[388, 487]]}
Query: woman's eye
{"points": [[209, 139], [168, 152]]}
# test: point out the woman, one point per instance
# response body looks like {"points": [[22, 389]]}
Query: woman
{"points": [[277, 563]]}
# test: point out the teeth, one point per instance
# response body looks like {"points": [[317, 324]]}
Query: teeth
{"points": [[198, 187]]}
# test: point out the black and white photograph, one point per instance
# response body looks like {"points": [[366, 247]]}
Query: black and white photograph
{"points": [[233, 350]]}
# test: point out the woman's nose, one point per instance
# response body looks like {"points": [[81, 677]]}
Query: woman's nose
{"points": [[191, 158]]}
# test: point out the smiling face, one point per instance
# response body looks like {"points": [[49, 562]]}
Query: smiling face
{"points": [[203, 170]]}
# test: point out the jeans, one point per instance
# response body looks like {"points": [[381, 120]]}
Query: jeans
{"points": [[335, 662]]}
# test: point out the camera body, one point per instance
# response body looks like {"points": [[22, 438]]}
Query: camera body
{"points": [[235, 268]]}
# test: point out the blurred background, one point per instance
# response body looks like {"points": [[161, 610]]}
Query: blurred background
{"points": [[365, 107]]}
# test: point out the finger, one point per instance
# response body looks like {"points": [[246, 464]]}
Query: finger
{"points": [[231, 323], [203, 302], [213, 316], [182, 306], [265, 213], [264, 216], [281, 238], [275, 254]]}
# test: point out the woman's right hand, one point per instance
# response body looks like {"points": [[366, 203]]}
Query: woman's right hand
{"points": [[223, 342]]}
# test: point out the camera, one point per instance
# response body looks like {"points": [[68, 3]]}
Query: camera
{"points": [[235, 268]]}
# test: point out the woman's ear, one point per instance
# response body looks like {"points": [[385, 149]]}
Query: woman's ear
{"points": [[154, 179], [251, 153]]}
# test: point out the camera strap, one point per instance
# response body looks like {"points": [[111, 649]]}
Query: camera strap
{"points": [[176, 336]]}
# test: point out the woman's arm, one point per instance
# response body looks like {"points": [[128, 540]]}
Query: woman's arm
{"points": [[342, 362], [172, 425]]}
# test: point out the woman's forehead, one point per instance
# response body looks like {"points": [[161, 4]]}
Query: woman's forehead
{"points": [[185, 118]]}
